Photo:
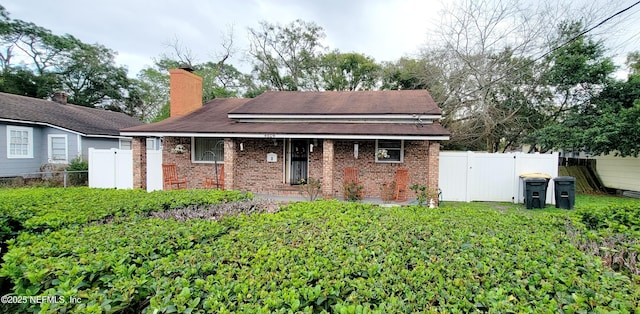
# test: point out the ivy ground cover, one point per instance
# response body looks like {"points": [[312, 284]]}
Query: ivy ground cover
{"points": [[320, 256]]}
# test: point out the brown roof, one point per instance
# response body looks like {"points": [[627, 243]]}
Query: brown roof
{"points": [[84, 120], [342, 103], [212, 118]]}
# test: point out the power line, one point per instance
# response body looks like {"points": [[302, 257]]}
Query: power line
{"points": [[574, 38]]}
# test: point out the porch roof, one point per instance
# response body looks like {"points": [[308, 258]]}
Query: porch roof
{"points": [[212, 120]]}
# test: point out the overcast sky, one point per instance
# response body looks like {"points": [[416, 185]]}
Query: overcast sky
{"points": [[139, 30]]}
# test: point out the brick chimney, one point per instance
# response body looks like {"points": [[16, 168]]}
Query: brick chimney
{"points": [[185, 92], [60, 97]]}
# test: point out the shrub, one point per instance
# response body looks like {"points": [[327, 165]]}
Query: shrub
{"points": [[353, 191], [78, 178], [425, 195], [310, 189], [388, 192]]}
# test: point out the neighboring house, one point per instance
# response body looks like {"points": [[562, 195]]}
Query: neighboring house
{"points": [[36, 132], [272, 142], [619, 173]]}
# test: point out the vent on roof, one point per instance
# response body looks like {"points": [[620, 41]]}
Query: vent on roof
{"points": [[60, 97]]}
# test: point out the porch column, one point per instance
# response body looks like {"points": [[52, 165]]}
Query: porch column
{"points": [[230, 156], [434, 164], [327, 168], [139, 152]]}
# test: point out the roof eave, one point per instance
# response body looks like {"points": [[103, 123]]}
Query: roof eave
{"points": [[437, 137]]}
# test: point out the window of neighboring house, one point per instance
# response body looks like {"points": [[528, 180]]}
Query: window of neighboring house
{"points": [[125, 144], [19, 142], [58, 149], [206, 149], [389, 151]]}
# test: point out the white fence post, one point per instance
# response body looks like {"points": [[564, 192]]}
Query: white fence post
{"points": [[154, 170]]}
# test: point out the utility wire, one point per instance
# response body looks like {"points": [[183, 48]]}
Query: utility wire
{"points": [[572, 39]]}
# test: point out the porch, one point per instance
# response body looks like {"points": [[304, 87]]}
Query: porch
{"points": [[275, 166]]}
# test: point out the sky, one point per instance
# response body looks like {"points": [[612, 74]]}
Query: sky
{"points": [[139, 30]]}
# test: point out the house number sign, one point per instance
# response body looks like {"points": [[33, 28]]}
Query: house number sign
{"points": [[272, 157]]}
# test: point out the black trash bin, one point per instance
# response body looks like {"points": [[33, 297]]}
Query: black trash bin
{"points": [[535, 192], [565, 194]]}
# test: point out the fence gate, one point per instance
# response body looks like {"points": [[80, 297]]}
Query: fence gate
{"points": [[469, 176], [113, 168], [110, 168]]}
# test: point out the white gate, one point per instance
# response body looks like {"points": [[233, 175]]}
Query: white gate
{"points": [[110, 168], [113, 168], [154, 170], [469, 176]]}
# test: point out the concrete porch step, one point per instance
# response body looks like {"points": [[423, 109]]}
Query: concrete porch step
{"points": [[287, 187]]}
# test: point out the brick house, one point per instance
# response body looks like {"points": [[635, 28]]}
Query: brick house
{"points": [[269, 143]]}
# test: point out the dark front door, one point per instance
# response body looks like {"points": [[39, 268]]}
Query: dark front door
{"points": [[299, 161]]}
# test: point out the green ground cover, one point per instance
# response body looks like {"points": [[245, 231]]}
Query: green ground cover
{"points": [[324, 256]]}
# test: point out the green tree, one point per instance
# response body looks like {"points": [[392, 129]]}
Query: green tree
{"points": [[408, 73], [21, 81], [583, 101], [348, 71], [50, 63], [91, 77], [608, 123], [152, 88]]}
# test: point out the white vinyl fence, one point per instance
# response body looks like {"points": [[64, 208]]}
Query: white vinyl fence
{"points": [[469, 176], [110, 168], [113, 168]]}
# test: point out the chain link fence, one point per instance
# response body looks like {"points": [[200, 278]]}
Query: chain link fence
{"points": [[56, 178]]}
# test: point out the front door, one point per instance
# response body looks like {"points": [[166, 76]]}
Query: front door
{"points": [[299, 161]]}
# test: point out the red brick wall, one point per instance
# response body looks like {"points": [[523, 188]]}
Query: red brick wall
{"points": [[373, 174], [185, 92], [139, 152], [328, 168], [195, 172], [252, 172]]}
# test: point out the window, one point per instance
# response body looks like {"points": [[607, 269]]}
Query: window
{"points": [[389, 151], [19, 142], [151, 143], [125, 144], [207, 149], [57, 148]]}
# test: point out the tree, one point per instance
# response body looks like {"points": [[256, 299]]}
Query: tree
{"points": [[21, 81], [147, 95], [608, 122], [408, 73], [581, 94], [51, 63], [491, 84], [91, 77], [287, 57], [348, 71]]}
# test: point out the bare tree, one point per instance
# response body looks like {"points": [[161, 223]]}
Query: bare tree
{"points": [[486, 58], [287, 57]]}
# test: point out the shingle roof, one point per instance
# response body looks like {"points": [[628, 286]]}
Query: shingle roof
{"points": [[84, 120], [213, 118], [342, 103]]}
